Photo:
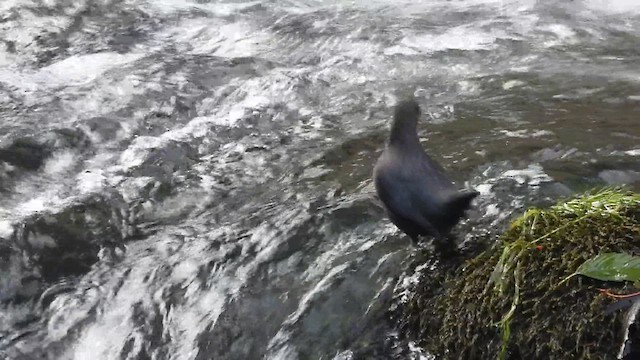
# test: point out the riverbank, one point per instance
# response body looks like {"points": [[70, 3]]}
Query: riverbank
{"points": [[509, 301]]}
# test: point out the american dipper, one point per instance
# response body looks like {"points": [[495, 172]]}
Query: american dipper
{"points": [[419, 197]]}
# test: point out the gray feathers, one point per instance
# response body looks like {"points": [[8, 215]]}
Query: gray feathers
{"points": [[419, 197]]}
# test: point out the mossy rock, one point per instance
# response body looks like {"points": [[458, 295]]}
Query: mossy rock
{"points": [[510, 302]]}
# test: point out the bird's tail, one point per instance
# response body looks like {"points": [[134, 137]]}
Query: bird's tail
{"points": [[457, 204]]}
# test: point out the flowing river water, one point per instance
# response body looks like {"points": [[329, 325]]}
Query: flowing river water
{"points": [[190, 179]]}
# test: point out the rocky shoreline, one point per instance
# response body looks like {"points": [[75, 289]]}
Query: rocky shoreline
{"points": [[508, 300]]}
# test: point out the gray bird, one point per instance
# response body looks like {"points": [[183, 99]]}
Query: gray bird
{"points": [[419, 197]]}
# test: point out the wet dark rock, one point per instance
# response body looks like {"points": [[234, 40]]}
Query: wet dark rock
{"points": [[19, 272], [125, 38], [631, 348], [156, 123], [285, 140], [26, 153], [30, 152], [67, 242], [106, 128], [256, 148], [10, 46], [68, 138], [29, 287], [619, 177], [162, 162], [53, 44], [179, 110], [507, 299]]}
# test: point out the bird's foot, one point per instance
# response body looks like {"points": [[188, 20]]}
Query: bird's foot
{"points": [[445, 245]]}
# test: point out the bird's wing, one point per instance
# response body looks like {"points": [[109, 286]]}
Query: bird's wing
{"points": [[406, 200], [434, 175]]}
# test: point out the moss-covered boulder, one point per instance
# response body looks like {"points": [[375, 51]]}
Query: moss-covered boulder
{"points": [[510, 301]]}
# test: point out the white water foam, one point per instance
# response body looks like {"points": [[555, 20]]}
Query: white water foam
{"points": [[6, 229], [459, 38], [524, 133], [214, 36], [72, 71], [533, 175], [629, 7]]}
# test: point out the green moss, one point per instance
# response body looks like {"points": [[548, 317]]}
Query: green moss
{"points": [[508, 302]]}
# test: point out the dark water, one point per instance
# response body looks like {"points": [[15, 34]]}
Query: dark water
{"points": [[190, 179]]}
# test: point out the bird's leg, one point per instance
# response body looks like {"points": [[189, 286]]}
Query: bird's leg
{"points": [[445, 244]]}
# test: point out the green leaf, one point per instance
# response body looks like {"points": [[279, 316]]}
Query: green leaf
{"points": [[611, 267]]}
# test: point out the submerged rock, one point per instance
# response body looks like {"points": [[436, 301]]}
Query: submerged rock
{"points": [[26, 153], [67, 242], [31, 152], [509, 301]]}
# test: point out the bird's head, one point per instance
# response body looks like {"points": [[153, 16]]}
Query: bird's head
{"points": [[405, 121]]}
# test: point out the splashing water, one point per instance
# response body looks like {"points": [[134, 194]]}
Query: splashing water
{"points": [[197, 178]]}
